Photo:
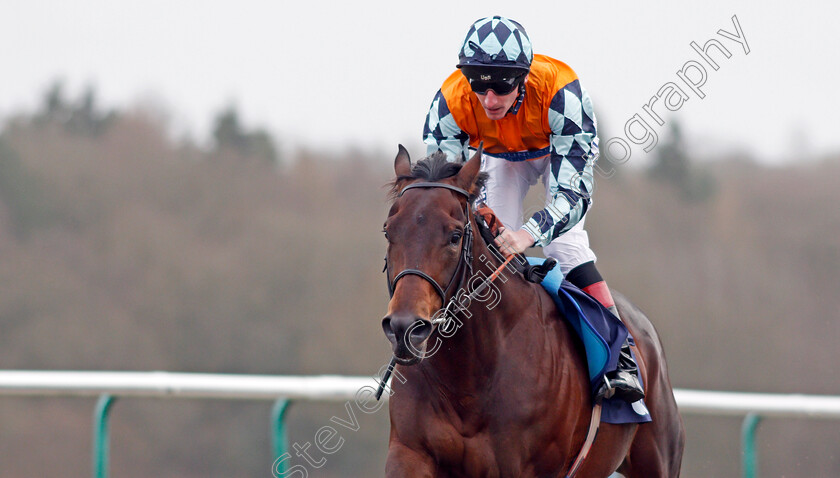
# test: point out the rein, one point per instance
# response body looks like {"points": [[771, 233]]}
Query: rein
{"points": [[486, 282]]}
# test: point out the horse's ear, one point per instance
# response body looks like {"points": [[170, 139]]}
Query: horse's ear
{"points": [[402, 163], [470, 169]]}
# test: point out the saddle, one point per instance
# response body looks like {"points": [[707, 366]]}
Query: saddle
{"points": [[601, 333]]}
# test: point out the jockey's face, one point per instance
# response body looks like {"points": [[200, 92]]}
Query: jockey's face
{"points": [[497, 106]]}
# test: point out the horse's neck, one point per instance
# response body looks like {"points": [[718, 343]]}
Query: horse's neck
{"points": [[501, 305], [472, 353]]}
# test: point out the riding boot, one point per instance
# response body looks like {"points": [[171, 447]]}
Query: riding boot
{"points": [[623, 382]]}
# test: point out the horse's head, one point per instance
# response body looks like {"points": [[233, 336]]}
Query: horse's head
{"points": [[429, 238]]}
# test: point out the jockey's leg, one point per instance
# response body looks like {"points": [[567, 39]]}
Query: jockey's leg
{"points": [[623, 382], [577, 262]]}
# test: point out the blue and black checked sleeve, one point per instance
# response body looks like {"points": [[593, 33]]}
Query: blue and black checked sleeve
{"points": [[574, 149], [442, 133]]}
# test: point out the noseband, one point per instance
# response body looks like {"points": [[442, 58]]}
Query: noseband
{"points": [[464, 259]]}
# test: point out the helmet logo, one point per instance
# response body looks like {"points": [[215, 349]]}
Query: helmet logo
{"points": [[486, 77]]}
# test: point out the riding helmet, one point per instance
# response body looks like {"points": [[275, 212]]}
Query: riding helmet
{"points": [[496, 42]]}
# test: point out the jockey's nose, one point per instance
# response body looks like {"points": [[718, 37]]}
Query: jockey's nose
{"points": [[491, 98], [403, 330]]}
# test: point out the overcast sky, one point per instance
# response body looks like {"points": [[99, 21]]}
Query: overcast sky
{"points": [[364, 73]]}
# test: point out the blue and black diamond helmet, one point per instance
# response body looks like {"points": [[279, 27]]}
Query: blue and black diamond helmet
{"points": [[496, 42]]}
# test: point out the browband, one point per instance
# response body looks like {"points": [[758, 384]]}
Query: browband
{"points": [[435, 185]]}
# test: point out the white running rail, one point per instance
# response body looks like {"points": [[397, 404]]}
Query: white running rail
{"points": [[334, 388]]}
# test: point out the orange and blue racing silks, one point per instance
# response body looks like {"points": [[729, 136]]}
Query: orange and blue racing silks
{"points": [[553, 116]]}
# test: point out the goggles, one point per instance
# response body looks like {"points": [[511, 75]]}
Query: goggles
{"points": [[500, 86]]}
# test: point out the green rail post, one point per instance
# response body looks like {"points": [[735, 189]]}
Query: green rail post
{"points": [[750, 458], [100, 436], [279, 440]]}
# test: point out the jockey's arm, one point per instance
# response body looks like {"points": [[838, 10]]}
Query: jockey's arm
{"points": [[574, 149], [441, 132], [571, 169]]}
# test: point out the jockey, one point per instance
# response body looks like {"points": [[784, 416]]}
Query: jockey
{"points": [[535, 119]]}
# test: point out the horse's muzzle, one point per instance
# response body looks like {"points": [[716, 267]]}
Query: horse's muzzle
{"points": [[408, 335]]}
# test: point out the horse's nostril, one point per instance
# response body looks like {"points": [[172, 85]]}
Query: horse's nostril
{"points": [[386, 327], [420, 331]]}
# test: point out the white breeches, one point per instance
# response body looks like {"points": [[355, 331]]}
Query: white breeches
{"points": [[504, 192]]}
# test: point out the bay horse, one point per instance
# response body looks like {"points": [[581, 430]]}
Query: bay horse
{"points": [[504, 392]]}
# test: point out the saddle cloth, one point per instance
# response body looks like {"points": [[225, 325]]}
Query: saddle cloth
{"points": [[602, 334]]}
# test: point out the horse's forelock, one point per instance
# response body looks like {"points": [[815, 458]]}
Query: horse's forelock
{"points": [[434, 168]]}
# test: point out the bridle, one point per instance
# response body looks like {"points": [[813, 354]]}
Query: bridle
{"points": [[464, 258]]}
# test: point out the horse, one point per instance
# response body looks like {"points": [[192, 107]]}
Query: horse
{"points": [[503, 391]]}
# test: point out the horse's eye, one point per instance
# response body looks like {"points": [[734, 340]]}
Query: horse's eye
{"points": [[386, 234], [455, 237]]}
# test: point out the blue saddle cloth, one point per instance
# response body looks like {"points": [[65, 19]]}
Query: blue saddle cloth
{"points": [[602, 335]]}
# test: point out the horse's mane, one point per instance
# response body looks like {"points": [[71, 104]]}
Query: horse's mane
{"points": [[434, 168]]}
